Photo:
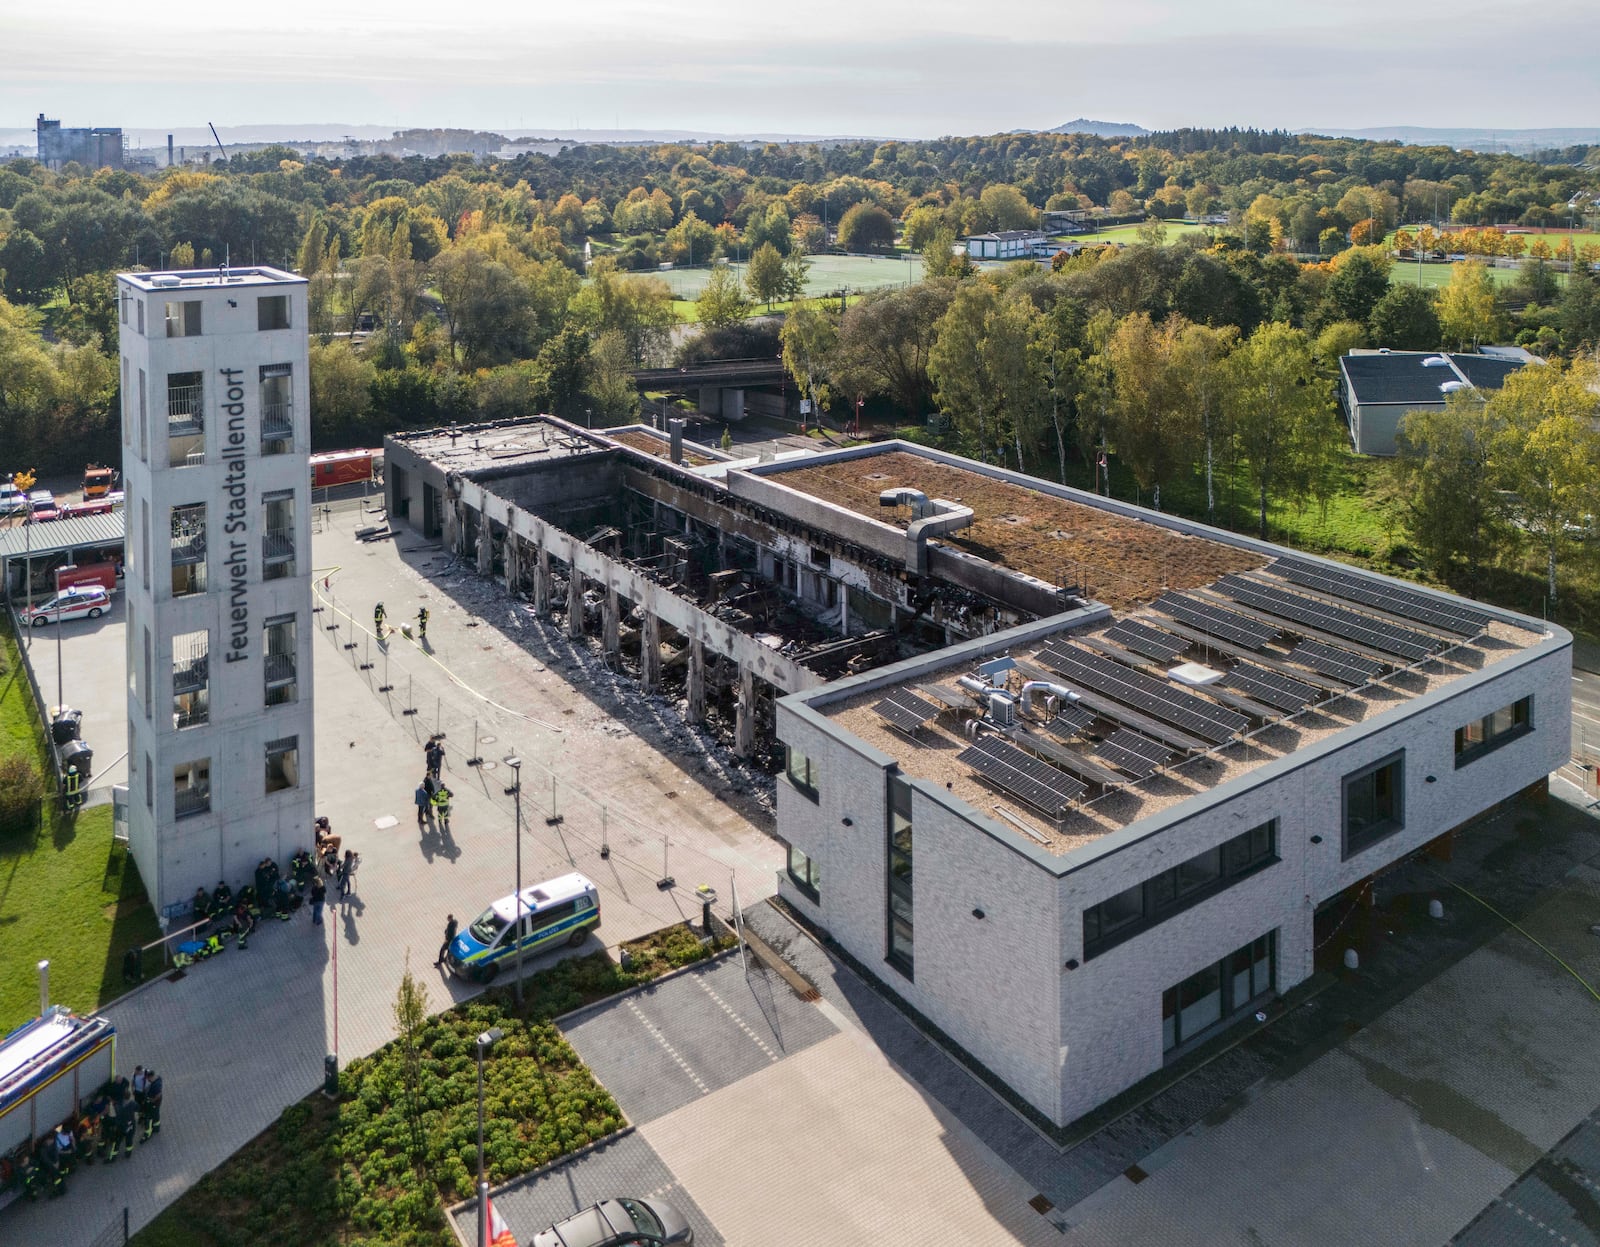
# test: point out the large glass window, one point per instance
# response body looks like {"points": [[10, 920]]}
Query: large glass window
{"points": [[1487, 734], [803, 873], [801, 771], [900, 876], [183, 318], [1221, 990], [1374, 803], [1175, 889]]}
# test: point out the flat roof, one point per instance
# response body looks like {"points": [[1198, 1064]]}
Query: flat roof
{"points": [[654, 442], [1119, 559], [1116, 670], [192, 278], [54, 536], [507, 443], [1405, 377]]}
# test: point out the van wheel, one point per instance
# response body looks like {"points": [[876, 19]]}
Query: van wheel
{"points": [[94, 612], [576, 938], [39, 621], [486, 975]]}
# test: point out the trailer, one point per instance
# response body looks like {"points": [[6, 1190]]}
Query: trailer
{"points": [[345, 467], [49, 1068]]}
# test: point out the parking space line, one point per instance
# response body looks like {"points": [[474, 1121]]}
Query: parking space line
{"points": [[1529, 1217], [737, 1020], [670, 1050]]}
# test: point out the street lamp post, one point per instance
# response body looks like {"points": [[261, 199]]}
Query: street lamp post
{"points": [[485, 1041], [516, 766]]}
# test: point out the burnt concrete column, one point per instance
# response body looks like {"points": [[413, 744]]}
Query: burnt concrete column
{"points": [[541, 581], [574, 594], [650, 653], [612, 628], [485, 544], [513, 560], [744, 727], [696, 712]]}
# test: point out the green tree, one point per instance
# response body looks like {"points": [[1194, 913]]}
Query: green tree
{"points": [[410, 1017], [1200, 362], [722, 302], [640, 307], [979, 368], [769, 227], [940, 257], [341, 394], [1466, 306], [312, 248], [884, 341], [1405, 320], [565, 363], [1056, 358], [765, 275], [1282, 414], [1152, 422], [1360, 278], [866, 227], [612, 396], [810, 339], [796, 274], [1545, 449], [1451, 503], [24, 267], [1008, 207], [691, 241]]}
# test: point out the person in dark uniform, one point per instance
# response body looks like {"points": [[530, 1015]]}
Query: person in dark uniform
{"points": [[152, 1104], [110, 1129], [377, 620], [422, 623], [450, 929], [319, 894]]}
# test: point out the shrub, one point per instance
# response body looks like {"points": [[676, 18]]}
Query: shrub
{"points": [[21, 791]]}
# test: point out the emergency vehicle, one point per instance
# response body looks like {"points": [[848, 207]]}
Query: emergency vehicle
{"points": [[97, 481], [49, 1068], [563, 909]]}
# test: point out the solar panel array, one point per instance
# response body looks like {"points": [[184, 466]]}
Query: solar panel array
{"points": [[1025, 777], [1138, 755], [1215, 621], [1282, 692], [1143, 639], [1072, 721], [1335, 662], [1335, 620], [1407, 603], [1193, 714], [905, 710]]}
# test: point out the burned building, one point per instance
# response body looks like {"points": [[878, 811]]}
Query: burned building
{"points": [[93, 147]]}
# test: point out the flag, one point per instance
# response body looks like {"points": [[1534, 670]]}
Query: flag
{"points": [[499, 1232]]}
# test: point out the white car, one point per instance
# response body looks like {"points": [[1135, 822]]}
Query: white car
{"points": [[79, 602]]}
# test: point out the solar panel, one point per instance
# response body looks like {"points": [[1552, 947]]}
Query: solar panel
{"points": [[1137, 755], [905, 710], [1336, 620], [1340, 664], [1407, 603], [1143, 639], [1279, 691], [1072, 721], [1215, 621], [1025, 777], [1193, 714]]}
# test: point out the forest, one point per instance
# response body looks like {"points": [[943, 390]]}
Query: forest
{"points": [[1194, 372]]}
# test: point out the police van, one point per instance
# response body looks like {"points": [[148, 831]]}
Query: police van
{"points": [[560, 910]]}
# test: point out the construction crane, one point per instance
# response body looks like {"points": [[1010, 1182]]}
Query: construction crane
{"points": [[220, 148]]}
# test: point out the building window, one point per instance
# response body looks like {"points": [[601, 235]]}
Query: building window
{"points": [[1174, 890], [1374, 803], [280, 672], [1487, 734], [277, 539], [821, 558], [272, 311], [900, 870], [803, 873], [183, 318], [283, 764], [188, 549], [144, 419], [145, 689], [802, 772], [122, 307], [186, 431], [191, 679], [191, 788], [127, 405], [140, 310], [144, 542], [1204, 1000], [149, 774], [277, 409]]}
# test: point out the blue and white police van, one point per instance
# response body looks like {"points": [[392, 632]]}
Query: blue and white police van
{"points": [[561, 910]]}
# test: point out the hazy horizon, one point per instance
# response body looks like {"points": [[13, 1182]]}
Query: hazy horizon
{"points": [[901, 69]]}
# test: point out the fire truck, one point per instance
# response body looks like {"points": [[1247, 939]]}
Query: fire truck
{"points": [[49, 1068], [345, 467]]}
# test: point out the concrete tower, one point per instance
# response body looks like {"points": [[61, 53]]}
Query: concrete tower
{"points": [[216, 436]]}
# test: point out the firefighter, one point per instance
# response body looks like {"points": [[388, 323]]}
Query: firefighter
{"points": [[73, 783], [50, 1176], [377, 620], [87, 1125], [243, 923], [422, 623], [152, 1104], [201, 904], [130, 1123], [66, 1147], [441, 806], [110, 1129], [28, 1175]]}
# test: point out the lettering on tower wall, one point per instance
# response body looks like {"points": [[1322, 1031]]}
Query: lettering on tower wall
{"points": [[236, 516]]}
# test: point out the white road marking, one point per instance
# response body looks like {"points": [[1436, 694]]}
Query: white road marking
{"points": [[737, 1020], [671, 1051]]}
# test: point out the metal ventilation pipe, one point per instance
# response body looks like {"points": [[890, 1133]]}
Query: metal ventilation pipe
{"points": [[675, 427], [942, 517], [904, 494], [1060, 691]]}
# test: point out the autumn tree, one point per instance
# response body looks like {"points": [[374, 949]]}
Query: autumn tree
{"points": [[1451, 504], [866, 227], [1152, 423], [980, 369], [722, 301], [765, 275], [810, 339], [1200, 361], [1466, 306]]}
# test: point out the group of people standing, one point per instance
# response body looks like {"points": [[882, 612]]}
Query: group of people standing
{"points": [[432, 794], [109, 1124], [379, 615]]}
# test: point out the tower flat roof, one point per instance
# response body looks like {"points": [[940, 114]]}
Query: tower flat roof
{"points": [[202, 278]]}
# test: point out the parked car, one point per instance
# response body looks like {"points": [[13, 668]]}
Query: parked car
{"points": [[78, 602], [12, 500], [42, 506], [614, 1222]]}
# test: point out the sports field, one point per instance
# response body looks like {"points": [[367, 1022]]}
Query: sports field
{"points": [[1128, 235], [1437, 276], [827, 274]]}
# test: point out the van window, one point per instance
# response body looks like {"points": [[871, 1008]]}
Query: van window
{"points": [[487, 926], [537, 922]]}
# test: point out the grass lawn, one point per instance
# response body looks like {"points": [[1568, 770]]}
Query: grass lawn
{"points": [[1128, 235], [67, 893], [380, 1165], [1437, 276]]}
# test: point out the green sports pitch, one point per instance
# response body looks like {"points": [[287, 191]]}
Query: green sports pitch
{"points": [[825, 274]]}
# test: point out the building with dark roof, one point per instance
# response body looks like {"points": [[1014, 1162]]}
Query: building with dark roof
{"points": [[1378, 388]]}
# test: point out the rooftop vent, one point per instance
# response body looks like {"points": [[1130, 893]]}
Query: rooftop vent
{"points": [[1436, 361], [1194, 673]]}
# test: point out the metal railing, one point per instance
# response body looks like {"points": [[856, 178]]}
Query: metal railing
{"points": [[188, 544], [277, 545], [190, 675], [191, 716], [277, 420], [185, 406], [192, 800], [280, 669]]}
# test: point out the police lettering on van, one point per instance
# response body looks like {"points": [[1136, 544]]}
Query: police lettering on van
{"points": [[560, 910]]}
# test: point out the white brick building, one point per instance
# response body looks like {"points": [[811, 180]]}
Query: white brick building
{"points": [[215, 431], [1072, 956]]}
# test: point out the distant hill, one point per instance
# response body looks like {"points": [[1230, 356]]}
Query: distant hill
{"points": [[1105, 129], [1474, 139]]}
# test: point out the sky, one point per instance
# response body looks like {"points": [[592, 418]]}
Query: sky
{"points": [[900, 68]]}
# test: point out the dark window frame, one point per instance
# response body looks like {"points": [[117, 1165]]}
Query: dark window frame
{"points": [[1379, 830], [1469, 752], [899, 861], [806, 786], [1229, 1007], [1163, 896], [807, 883]]}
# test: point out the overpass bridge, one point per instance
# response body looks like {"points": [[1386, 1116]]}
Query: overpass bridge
{"points": [[727, 389]]}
